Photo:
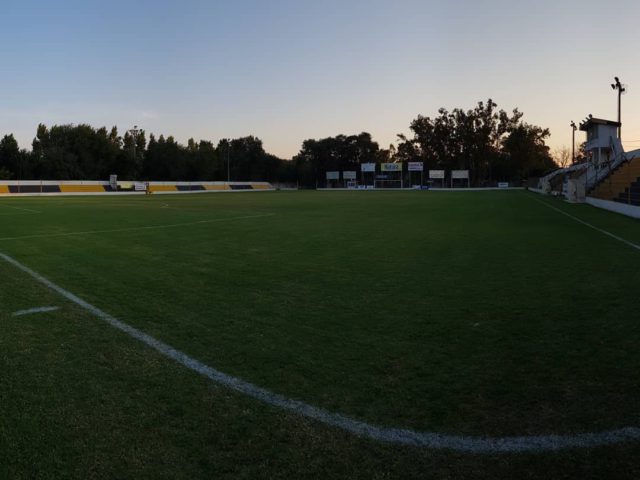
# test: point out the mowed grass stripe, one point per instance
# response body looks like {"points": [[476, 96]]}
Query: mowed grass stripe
{"points": [[391, 435], [587, 224], [133, 229], [437, 312], [111, 409], [81, 400]]}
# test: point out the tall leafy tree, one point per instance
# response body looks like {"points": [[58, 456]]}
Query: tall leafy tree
{"points": [[10, 158], [527, 152], [482, 140], [341, 152]]}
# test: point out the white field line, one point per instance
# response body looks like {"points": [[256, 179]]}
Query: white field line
{"points": [[102, 203], [31, 311], [132, 229], [21, 209], [587, 224], [540, 443]]}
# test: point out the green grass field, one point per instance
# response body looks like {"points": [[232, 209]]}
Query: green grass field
{"points": [[476, 314]]}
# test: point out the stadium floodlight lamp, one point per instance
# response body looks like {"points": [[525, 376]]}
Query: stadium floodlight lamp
{"points": [[134, 133]]}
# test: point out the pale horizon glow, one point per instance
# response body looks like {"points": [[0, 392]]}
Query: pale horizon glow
{"points": [[286, 70]]}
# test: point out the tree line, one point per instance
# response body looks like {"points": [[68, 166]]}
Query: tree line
{"points": [[493, 144], [81, 152]]}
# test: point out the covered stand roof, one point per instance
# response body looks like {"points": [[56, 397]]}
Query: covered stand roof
{"points": [[587, 124]]}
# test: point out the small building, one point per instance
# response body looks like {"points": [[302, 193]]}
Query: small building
{"points": [[603, 144]]}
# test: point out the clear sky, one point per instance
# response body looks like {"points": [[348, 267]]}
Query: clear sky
{"points": [[287, 70]]}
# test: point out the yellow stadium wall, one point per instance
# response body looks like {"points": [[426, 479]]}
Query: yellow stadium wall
{"points": [[81, 188], [48, 187]]}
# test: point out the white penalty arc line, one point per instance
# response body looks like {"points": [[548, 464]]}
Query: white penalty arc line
{"points": [[31, 311], [400, 436], [132, 229], [587, 224]]}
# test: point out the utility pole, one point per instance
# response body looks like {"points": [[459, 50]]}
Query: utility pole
{"points": [[573, 142], [621, 89]]}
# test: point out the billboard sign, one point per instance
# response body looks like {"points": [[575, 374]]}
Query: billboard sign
{"points": [[415, 166], [457, 174], [391, 167], [368, 167], [349, 175], [333, 175], [437, 174]]}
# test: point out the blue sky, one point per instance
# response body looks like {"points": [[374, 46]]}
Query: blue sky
{"points": [[289, 70]]}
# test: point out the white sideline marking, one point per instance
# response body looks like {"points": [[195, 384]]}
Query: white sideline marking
{"points": [[30, 311], [130, 229], [587, 224], [538, 443]]}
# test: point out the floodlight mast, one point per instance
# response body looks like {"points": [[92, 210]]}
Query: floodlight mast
{"points": [[134, 133], [573, 142], [621, 89], [228, 162]]}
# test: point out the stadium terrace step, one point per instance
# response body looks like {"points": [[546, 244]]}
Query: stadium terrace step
{"points": [[626, 176]]}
